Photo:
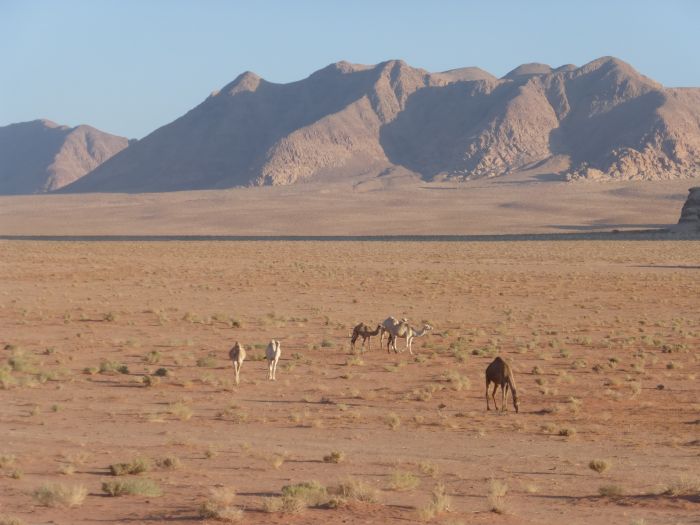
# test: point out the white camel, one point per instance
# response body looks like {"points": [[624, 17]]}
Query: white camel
{"points": [[273, 353], [405, 331], [387, 325], [237, 355]]}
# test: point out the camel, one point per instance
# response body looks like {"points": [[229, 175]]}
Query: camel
{"points": [[500, 374], [237, 355], [405, 331], [273, 353], [387, 325], [363, 331]]}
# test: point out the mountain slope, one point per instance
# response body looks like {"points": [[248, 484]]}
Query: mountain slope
{"points": [[40, 156], [606, 119]]}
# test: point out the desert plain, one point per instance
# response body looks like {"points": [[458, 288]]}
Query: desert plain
{"points": [[117, 352]]}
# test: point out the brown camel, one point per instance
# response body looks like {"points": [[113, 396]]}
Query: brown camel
{"points": [[500, 374], [363, 331]]}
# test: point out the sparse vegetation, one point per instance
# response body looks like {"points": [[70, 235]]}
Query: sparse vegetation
{"points": [[131, 487], [60, 495]]}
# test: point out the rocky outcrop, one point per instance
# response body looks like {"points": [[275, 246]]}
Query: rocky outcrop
{"points": [[690, 214], [41, 156], [604, 120]]}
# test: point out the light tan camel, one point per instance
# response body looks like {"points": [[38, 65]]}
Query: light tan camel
{"points": [[363, 331], [273, 353], [387, 325], [500, 374], [237, 355], [405, 331]]}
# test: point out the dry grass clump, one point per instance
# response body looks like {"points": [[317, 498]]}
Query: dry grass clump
{"points": [[131, 487], [180, 410], [683, 486], [112, 367], [335, 456], [402, 480], [218, 506], [135, 466], [10, 520], [610, 491], [439, 503], [497, 496], [567, 432], [457, 381], [393, 420], [169, 463], [59, 495], [297, 498], [355, 489], [599, 465], [428, 468], [7, 460]]}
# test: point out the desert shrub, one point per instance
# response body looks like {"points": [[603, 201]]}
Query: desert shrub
{"points": [[169, 463], [58, 495], [131, 487], [135, 466], [152, 357], [457, 381], [354, 489], [181, 411], [599, 465], [393, 420], [108, 367], [428, 468], [683, 486], [497, 496], [208, 361], [162, 372], [150, 381], [567, 431], [610, 491], [334, 457], [402, 480], [439, 503], [10, 520], [218, 506]]}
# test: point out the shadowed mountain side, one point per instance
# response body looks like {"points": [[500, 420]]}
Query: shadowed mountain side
{"points": [[41, 156]]}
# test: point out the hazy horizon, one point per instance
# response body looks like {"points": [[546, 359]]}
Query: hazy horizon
{"points": [[128, 68]]}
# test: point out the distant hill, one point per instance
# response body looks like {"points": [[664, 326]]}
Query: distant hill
{"points": [[41, 156], [603, 121]]}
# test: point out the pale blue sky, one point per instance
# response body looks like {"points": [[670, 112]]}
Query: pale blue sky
{"points": [[130, 66]]}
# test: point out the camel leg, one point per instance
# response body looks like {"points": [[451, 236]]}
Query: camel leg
{"points": [[493, 396], [237, 371], [369, 344], [487, 395], [504, 396], [274, 373], [269, 371], [409, 344]]}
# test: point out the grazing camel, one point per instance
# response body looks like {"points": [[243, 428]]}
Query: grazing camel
{"points": [[363, 331], [273, 353], [237, 355], [387, 325], [500, 374], [405, 331]]}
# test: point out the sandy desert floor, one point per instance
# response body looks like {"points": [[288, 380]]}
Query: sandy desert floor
{"points": [[602, 336], [393, 206]]}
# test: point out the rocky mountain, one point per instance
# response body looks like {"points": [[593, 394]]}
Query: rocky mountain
{"points": [[41, 156], [603, 121]]}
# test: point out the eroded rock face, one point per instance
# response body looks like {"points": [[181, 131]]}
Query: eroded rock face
{"points": [[690, 214], [603, 120]]}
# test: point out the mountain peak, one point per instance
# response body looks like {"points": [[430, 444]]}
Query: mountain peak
{"points": [[528, 70], [246, 81]]}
